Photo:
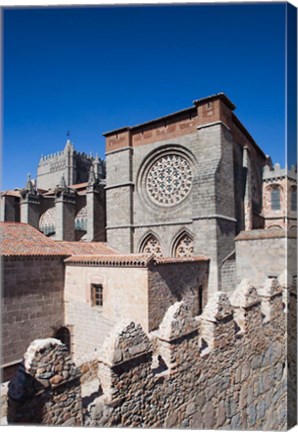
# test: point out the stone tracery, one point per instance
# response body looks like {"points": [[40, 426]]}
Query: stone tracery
{"points": [[152, 246], [169, 180], [184, 247]]}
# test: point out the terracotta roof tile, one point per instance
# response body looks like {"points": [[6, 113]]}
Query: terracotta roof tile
{"points": [[174, 260], [266, 234], [15, 193], [79, 185], [133, 260], [86, 248], [22, 239]]}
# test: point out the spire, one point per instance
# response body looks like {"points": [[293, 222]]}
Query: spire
{"points": [[29, 185], [97, 167], [68, 145], [92, 178], [62, 184]]}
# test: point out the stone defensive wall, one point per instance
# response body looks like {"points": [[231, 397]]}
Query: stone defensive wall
{"points": [[223, 369]]}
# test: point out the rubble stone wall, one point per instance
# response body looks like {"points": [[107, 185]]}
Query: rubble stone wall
{"points": [[46, 388], [224, 369]]}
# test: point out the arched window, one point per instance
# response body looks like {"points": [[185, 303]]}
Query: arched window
{"points": [[151, 246], [47, 221], [184, 247], [294, 199], [81, 220], [275, 199]]}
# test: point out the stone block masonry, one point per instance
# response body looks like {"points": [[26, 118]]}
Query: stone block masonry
{"points": [[185, 172], [224, 369], [32, 302]]}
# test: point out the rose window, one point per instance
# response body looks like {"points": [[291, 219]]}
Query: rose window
{"points": [[169, 180]]}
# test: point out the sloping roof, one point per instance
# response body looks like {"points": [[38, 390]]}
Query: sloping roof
{"points": [[19, 239], [86, 248], [177, 260], [15, 193], [132, 260], [268, 233]]}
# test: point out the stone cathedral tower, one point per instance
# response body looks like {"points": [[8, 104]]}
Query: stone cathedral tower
{"points": [[70, 164], [182, 184]]}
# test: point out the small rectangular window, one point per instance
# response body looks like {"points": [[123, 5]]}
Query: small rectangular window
{"points": [[96, 295]]}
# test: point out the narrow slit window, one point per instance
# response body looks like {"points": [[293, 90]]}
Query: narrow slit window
{"points": [[294, 200], [275, 199], [96, 295], [200, 300]]}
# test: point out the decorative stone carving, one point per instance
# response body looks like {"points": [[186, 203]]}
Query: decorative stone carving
{"points": [[152, 246], [169, 180], [184, 247]]}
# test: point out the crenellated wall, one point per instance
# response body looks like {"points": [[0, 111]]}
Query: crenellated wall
{"points": [[224, 369], [46, 388]]}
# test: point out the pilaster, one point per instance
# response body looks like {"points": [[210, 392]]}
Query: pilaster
{"points": [[65, 212]]}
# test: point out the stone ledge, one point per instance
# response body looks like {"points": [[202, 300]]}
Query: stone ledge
{"points": [[265, 234]]}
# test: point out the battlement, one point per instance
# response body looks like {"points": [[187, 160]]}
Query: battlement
{"points": [[278, 173], [73, 165], [45, 158], [222, 369]]}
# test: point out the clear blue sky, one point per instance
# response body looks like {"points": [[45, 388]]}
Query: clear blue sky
{"points": [[89, 70]]}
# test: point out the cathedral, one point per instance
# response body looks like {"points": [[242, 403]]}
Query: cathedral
{"points": [[170, 215]]}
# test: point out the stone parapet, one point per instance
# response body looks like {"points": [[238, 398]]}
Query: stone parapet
{"points": [[208, 374], [46, 388], [193, 372]]}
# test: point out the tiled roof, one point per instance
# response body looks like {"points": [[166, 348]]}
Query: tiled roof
{"points": [[266, 234], [22, 239], [133, 260], [15, 193], [86, 248], [79, 185], [174, 260]]}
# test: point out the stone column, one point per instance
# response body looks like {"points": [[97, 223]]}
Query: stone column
{"points": [[30, 205], [2, 208], [119, 195], [248, 194], [95, 198], [65, 212], [213, 200]]}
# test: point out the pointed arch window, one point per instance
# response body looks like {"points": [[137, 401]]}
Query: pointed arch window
{"points": [[152, 246], [184, 247], [275, 198]]}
